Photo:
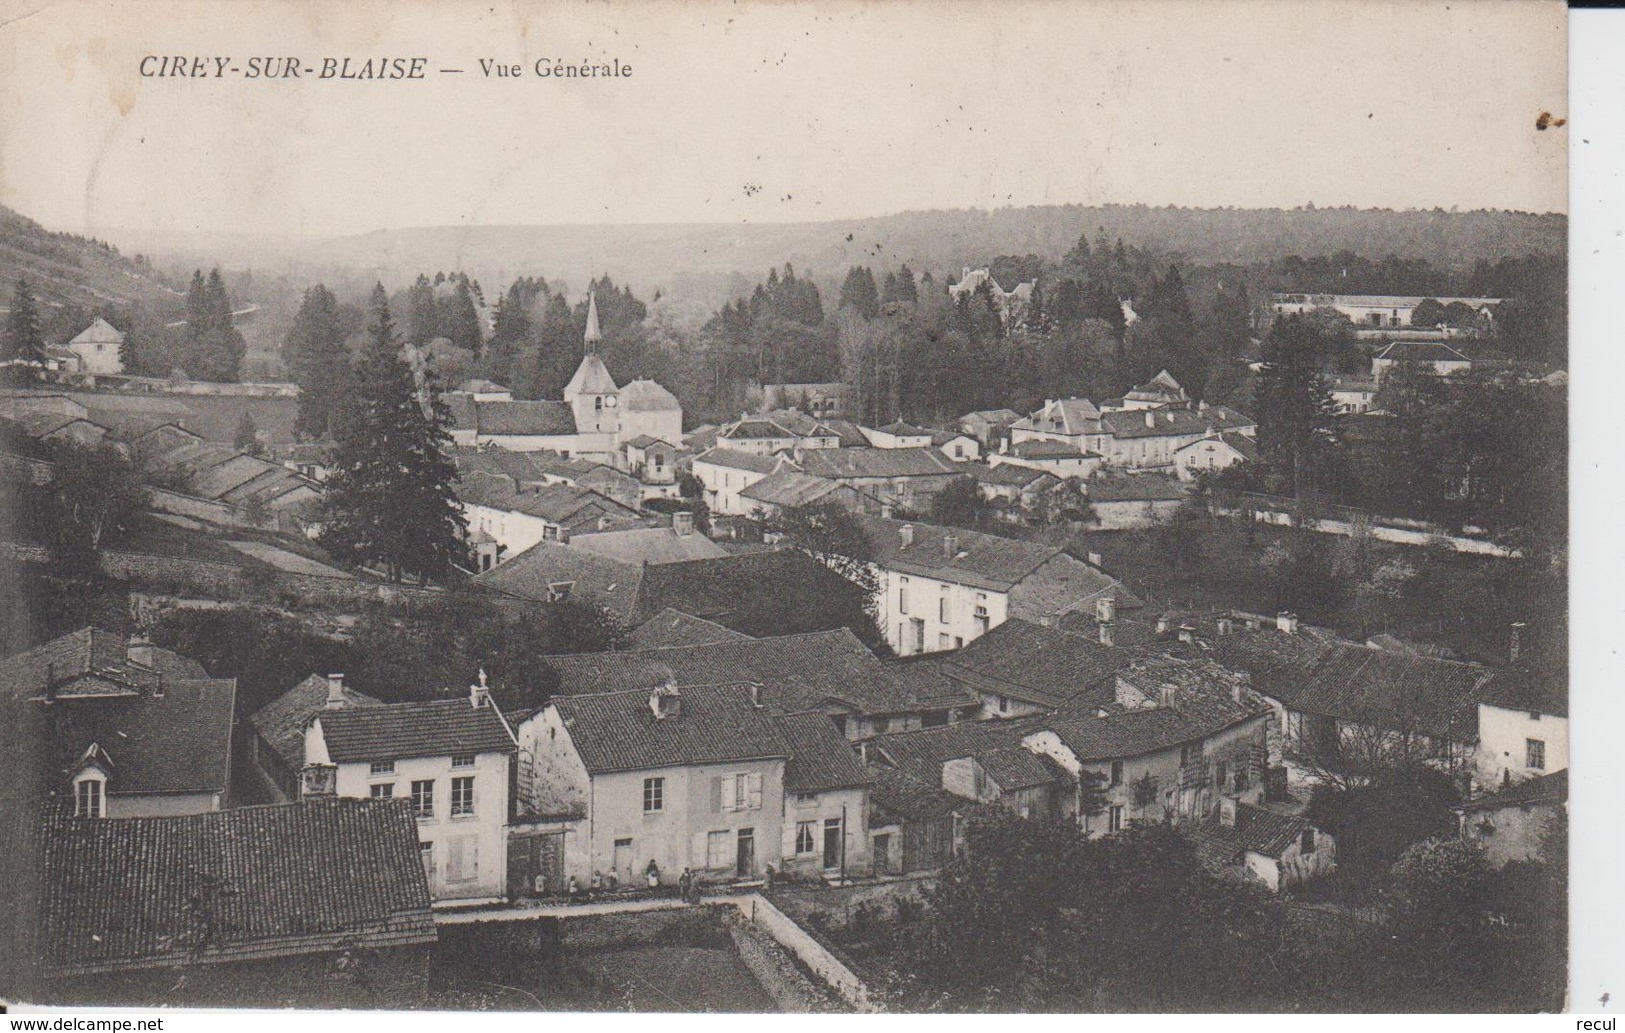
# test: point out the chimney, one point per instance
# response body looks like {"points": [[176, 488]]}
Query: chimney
{"points": [[1096, 560], [335, 692], [318, 780], [1163, 624], [1187, 633], [906, 533], [139, 650], [950, 545], [1106, 609], [756, 695], [1108, 633], [1227, 811], [885, 514], [1226, 625], [1515, 642], [682, 523], [1165, 695], [665, 702], [1286, 622], [479, 696]]}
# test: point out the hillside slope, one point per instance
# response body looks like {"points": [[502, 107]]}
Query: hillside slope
{"points": [[66, 270]]}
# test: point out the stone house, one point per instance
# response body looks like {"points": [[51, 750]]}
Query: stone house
{"points": [[276, 740], [1251, 844], [1215, 452], [1512, 823], [726, 472], [903, 478], [97, 347]]}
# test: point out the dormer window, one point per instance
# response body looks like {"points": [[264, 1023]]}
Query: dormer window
{"points": [[89, 796]]}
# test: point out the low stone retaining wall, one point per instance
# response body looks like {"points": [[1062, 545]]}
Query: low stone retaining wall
{"points": [[818, 959]]}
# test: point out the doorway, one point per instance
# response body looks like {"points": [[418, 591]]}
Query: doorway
{"points": [[745, 863], [832, 843]]}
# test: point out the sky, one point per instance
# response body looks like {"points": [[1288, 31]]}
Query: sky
{"points": [[773, 111]]}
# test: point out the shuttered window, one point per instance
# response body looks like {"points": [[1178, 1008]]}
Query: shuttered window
{"points": [[738, 792], [463, 859]]}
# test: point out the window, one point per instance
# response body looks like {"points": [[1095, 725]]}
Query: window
{"points": [[1004, 704], [806, 799], [1117, 773], [559, 591], [462, 797], [426, 855], [423, 798], [383, 791], [1306, 843], [463, 859], [1190, 753], [958, 642], [902, 596], [718, 849], [381, 767], [1115, 816], [942, 640], [804, 836], [942, 606], [1221, 772], [882, 725], [1536, 754], [654, 795], [462, 760], [550, 532], [740, 792], [1241, 779], [87, 798]]}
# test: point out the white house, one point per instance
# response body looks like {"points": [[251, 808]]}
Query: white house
{"points": [[1372, 310], [97, 346], [1522, 734], [1053, 457], [726, 473], [1433, 357], [897, 434], [451, 758], [1216, 452]]}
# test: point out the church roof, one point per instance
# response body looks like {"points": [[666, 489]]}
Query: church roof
{"points": [[643, 395], [592, 376], [593, 333]]}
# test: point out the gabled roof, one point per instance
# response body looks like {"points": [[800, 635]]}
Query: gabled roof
{"points": [[849, 434], [1150, 423], [1133, 487], [395, 731], [737, 460], [125, 893], [1010, 475], [1037, 664], [591, 378], [715, 724], [671, 627], [796, 672], [1241, 443], [281, 722], [1110, 731], [518, 419], [996, 417], [1161, 386], [1047, 448], [606, 582], [996, 745], [1071, 416], [899, 796], [980, 560], [1256, 830], [91, 662], [820, 757], [1421, 351], [789, 488], [649, 545], [852, 463], [643, 395], [567, 505], [900, 429], [100, 331], [1552, 788]]}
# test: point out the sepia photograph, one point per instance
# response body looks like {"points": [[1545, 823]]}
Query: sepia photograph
{"points": [[764, 507]]}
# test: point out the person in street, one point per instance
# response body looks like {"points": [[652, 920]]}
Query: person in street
{"points": [[597, 880], [653, 872], [612, 881], [685, 885]]}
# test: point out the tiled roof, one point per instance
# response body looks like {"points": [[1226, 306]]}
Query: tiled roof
{"points": [[820, 757], [1037, 664], [1133, 423], [179, 742], [796, 672], [498, 418], [1046, 448], [125, 893], [1256, 830], [848, 433], [100, 331], [788, 488], [899, 429], [758, 428], [993, 416], [653, 545], [1244, 445], [982, 560], [1133, 487], [593, 578], [90, 662], [1070, 416], [1125, 732], [1552, 788], [738, 589], [430, 729], [281, 722], [848, 463], [571, 507], [647, 396], [1009, 475], [899, 796], [715, 724], [1352, 682], [734, 459], [996, 745], [672, 627]]}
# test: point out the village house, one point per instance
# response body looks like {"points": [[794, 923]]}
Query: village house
{"points": [[1143, 438], [1352, 395], [957, 445], [1374, 311], [1011, 304], [726, 473], [1213, 453], [829, 672], [1071, 421], [1523, 728], [485, 390], [1015, 490], [654, 463], [1514, 823], [56, 427], [451, 758], [989, 426], [788, 488], [981, 762], [97, 348], [289, 892], [515, 519], [1122, 501], [942, 587], [1160, 392], [663, 779], [821, 401], [1273, 850], [914, 826], [903, 478], [1052, 457], [897, 434], [769, 433], [190, 476], [1433, 357], [120, 728], [276, 740]]}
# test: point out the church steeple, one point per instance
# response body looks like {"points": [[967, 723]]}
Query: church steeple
{"points": [[593, 334]]}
